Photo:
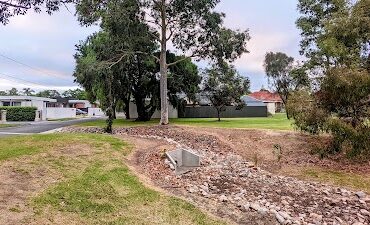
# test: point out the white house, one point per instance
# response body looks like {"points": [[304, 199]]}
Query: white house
{"points": [[28, 101]]}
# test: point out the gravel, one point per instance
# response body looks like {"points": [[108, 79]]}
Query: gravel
{"points": [[238, 187]]}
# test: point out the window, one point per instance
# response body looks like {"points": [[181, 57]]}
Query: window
{"points": [[16, 104], [6, 103]]}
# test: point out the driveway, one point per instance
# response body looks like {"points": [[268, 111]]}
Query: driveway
{"points": [[40, 127]]}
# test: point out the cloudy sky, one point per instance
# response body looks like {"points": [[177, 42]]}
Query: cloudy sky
{"points": [[37, 50]]}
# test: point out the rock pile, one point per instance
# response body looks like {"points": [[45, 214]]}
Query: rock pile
{"points": [[226, 179]]}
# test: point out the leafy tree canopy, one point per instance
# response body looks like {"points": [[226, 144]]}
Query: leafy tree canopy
{"points": [[48, 94], [10, 8], [75, 94], [192, 26], [283, 75], [223, 86], [339, 35]]}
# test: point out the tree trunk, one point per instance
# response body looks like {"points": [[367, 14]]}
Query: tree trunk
{"points": [[142, 112], [126, 108], [163, 67], [110, 112], [219, 114], [114, 107]]}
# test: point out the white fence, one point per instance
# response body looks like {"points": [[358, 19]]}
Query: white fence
{"points": [[60, 113], [95, 112]]}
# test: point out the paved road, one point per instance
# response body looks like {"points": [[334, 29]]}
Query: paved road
{"points": [[40, 127]]}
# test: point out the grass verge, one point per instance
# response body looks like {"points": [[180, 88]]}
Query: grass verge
{"points": [[6, 125], [276, 122], [16, 146], [114, 196], [92, 183], [351, 180], [338, 178]]}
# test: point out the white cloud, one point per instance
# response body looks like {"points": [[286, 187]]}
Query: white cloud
{"points": [[7, 84], [259, 45]]}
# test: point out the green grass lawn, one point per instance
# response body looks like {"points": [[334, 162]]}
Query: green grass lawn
{"points": [[96, 185], [276, 122], [64, 119], [6, 125]]}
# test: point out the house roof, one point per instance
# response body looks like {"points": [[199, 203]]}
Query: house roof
{"points": [[29, 98], [250, 101], [266, 96]]}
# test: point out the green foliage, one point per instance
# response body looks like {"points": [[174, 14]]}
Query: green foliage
{"points": [[19, 113], [308, 116], [13, 92], [21, 7], [223, 86], [336, 37], [75, 94], [134, 71], [315, 15], [283, 75], [48, 94], [27, 91], [341, 107], [192, 27]]}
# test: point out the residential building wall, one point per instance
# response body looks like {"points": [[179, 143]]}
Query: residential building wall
{"points": [[271, 108], [172, 112], [95, 112], [230, 112], [60, 113]]}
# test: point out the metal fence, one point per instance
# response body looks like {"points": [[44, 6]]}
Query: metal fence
{"points": [[230, 112]]}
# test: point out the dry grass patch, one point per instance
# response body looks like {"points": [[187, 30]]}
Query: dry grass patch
{"points": [[353, 181]]}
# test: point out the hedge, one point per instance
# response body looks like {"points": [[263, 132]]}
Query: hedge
{"points": [[14, 113]]}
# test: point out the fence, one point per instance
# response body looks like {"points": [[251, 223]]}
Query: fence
{"points": [[230, 112], [95, 112], [60, 113]]}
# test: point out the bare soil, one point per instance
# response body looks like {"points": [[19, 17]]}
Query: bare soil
{"points": [[297, 149]]}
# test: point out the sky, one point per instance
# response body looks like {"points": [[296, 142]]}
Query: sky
{"points": [[43, 46]]}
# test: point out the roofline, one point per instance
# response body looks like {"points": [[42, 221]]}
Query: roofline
{"points": [[18, 97]]}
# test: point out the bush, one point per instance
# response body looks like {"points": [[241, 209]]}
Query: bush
{"points": [[308, 116], [341, 108], [20, 113]]}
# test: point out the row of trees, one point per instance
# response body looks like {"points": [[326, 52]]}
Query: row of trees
{"points": [[128, 58], [192, 27], [71, 93]]}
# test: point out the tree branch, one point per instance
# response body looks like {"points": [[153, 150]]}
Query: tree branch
{"points": [[125, 53], [181, 60], [14, 5]]}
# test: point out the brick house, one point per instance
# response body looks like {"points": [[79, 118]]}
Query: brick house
{"points": [[274, 102]]}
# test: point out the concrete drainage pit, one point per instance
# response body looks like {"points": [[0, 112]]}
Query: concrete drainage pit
{"points": [[183, 161]]}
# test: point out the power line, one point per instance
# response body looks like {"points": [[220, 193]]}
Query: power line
{"points": [[33, 68], [26, 82]]}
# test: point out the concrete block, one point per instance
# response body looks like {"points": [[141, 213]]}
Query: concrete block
{"points": [[183, 160], [38, 116], [3, 116]]}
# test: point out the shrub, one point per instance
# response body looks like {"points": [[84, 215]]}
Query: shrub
{"points": [[341, 108], [20, 113], [308, 116]]}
